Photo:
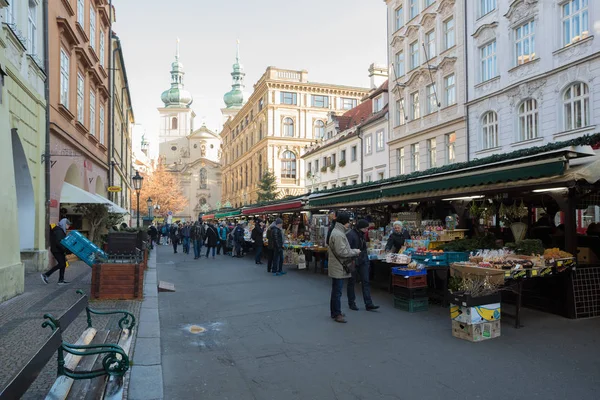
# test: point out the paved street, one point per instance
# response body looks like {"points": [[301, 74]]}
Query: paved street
{"points": [[271, 337]]}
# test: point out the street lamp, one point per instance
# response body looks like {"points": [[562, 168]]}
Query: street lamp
{"points": [[149, 204], [137, 186]]}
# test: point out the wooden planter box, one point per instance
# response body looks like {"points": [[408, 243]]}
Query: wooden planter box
{"points": [[118, 281]]}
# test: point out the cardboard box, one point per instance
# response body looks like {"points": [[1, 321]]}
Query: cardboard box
{"points": [[585, 255], [476, 332], [475, 315], [495, 275]]}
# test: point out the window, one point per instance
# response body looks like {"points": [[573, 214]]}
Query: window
{"points": [[377, 104], [368, 144], [319, 129], [414, 54], [348, 104], [487, 6], [369, 178], [81, 12], [353, 153], [32, 27], [450, 89], [431, 153], [102, 56], [528, 119], [489, 130], [575, 21], [430, 44], [11, 13], [333, 160], [576, 106], [102, 124], [174, 123], [488, 61], [288, 127], [380, 176], [399, 64], [288, 165], [414, 8], [260, 131], [203, 178], [309, 169], [289, 98], [261, 104], [320, 101], [92, 27], [380, 141], [354, 181], [400, 159], [428, 3], [432, 105], [80, 96], [64, 78], [344, 184], [449, 33], [316, 166], [415, 107], [400, 116], [399, 18], [415, 156], [450, 140], [92, 113], [525, 43], [343, 155], [260, 173]]}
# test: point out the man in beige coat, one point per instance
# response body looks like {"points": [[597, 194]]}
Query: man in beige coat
{"points": [[339, 252]]}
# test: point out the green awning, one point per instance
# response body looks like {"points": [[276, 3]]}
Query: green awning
{"points": [[228, 214], [338, 198]]}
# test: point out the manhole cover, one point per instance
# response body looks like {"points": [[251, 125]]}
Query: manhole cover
{"points": [[196, 329]]}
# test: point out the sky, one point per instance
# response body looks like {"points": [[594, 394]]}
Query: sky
{"points": [[334, 40]]}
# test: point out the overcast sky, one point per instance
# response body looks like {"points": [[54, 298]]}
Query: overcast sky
{"points": [[334, 40]]}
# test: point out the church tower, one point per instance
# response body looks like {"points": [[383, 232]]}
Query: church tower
{"points": [[176, 117], [236, 97]]}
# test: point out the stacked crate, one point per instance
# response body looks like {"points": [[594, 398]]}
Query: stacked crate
{"points": [[475, 318], [410, 289]]}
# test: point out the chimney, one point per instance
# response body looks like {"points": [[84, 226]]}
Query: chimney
{"points": [[378, 75]]}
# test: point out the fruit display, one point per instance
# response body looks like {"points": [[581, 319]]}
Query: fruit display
{"points": [[556, 253]]}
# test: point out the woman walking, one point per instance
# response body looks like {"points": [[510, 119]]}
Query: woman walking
{"points": [[212, 238]]}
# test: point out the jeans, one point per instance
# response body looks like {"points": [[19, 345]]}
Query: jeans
{"points": [[186, 244], [197, 246], [221, 245], [335, 305], [270, 255], [258, 257], [61, 264], [165, 240], [175, 242], [208, 250], [361, 274], [277, 260]]}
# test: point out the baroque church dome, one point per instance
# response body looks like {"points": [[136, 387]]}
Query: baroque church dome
{"points": [[177, 96]]}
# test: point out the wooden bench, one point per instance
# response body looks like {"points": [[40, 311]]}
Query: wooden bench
{"points": [[93, 366]]}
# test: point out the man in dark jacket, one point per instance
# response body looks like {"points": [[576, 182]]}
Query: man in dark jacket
{"points": [[196, 238], [57, 234], [270, 251], [356, 238], [397, 238], [332, 218], [212, 237], [238, 239], [257, 236], [175, 232], [277, 236], [153, 233]]}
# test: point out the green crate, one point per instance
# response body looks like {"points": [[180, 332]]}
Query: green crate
{"points": [[411, 305]]}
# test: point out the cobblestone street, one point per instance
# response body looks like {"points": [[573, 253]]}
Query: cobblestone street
{"points": [[21, 332]]}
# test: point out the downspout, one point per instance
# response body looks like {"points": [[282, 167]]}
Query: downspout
{"points": [[47, 132], [467, 86], [361, 155], [111, 115]]}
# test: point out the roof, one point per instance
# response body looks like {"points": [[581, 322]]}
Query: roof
{"points": [[381, 89], [356, 115], [340, 139]]}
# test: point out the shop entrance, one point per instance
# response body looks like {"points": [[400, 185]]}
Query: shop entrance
{"points": [[25, 195]]}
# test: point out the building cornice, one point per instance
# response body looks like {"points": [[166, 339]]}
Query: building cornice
{"points": [[425, 131]]}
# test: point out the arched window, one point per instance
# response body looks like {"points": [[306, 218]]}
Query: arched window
{"points": [[489, 130], [260, 131], [288, 165], [319, 129], [203, 179], [528, 119], [288, 127], [260, 167], [246, 176], [576, 102], [174, 123]]}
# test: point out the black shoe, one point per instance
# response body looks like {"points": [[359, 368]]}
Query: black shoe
{"points": [[353, 307], [372, 307], [60, 283], [44, 278]]}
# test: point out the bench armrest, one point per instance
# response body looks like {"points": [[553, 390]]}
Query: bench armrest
{"points": [[114, 363], [126, 322]]}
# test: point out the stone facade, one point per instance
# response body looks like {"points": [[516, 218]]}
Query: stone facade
{"points": [[543, 87], [271, 131], [426, 48]]}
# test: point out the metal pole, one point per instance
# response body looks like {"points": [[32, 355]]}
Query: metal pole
{"points": [[138, 208]]}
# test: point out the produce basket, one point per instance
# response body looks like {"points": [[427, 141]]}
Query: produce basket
{"points": [[408, 272]]}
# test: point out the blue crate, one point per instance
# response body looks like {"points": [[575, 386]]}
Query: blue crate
{"points": [[438, 263], [408, 272], [418, 258], [437, 257], [456, 256], [83, 248]]}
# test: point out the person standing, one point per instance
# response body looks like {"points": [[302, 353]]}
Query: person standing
{"points": [[185, 235], [332, 220], [153, 233], [222, 244], [238, 239], [277, 236], [212, 237], [174, 236], [356, 239], [257, 236], [57, 234], [196, 238], [340, 253], [397, 238], [165, 234], [270, 248]]}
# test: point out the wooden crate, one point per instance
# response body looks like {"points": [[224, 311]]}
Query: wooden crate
{"points": [[117, 281]]}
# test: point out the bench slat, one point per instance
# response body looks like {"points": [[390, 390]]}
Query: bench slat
{"points": [[98, 384], [22, 380], [114, 386], [81, 387], [72, 313]]}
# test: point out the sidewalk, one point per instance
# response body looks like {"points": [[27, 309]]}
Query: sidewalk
{"points": [[21, 332]]}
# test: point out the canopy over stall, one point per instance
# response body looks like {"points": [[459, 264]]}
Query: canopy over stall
{"points": [[73, 195]]}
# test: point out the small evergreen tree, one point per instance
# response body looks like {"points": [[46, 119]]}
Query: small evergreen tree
{"points": [[267, 187]]}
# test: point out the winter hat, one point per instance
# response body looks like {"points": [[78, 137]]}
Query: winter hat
{"points": [[278, 221], [343, 218], [362, 223]]}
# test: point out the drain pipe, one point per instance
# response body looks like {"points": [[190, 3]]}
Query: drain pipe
{"points": [[47, 133], [111, 102], [467, 85]]}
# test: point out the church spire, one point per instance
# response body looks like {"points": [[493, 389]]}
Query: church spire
{"points": [[236, 98], [176, 96]]}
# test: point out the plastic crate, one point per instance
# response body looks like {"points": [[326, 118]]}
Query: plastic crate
{"points": [[419, 258], [411, 305], [456, 256], [408, 272], [83, 248], [409, 281], [415, 293], [437, 257], [438, 263]]}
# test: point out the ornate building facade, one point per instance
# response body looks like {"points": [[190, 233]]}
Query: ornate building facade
{"points": [[427, 84], [271, 129], [533, 73]]}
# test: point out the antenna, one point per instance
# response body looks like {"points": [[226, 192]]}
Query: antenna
{"points": [[439, 105]]}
